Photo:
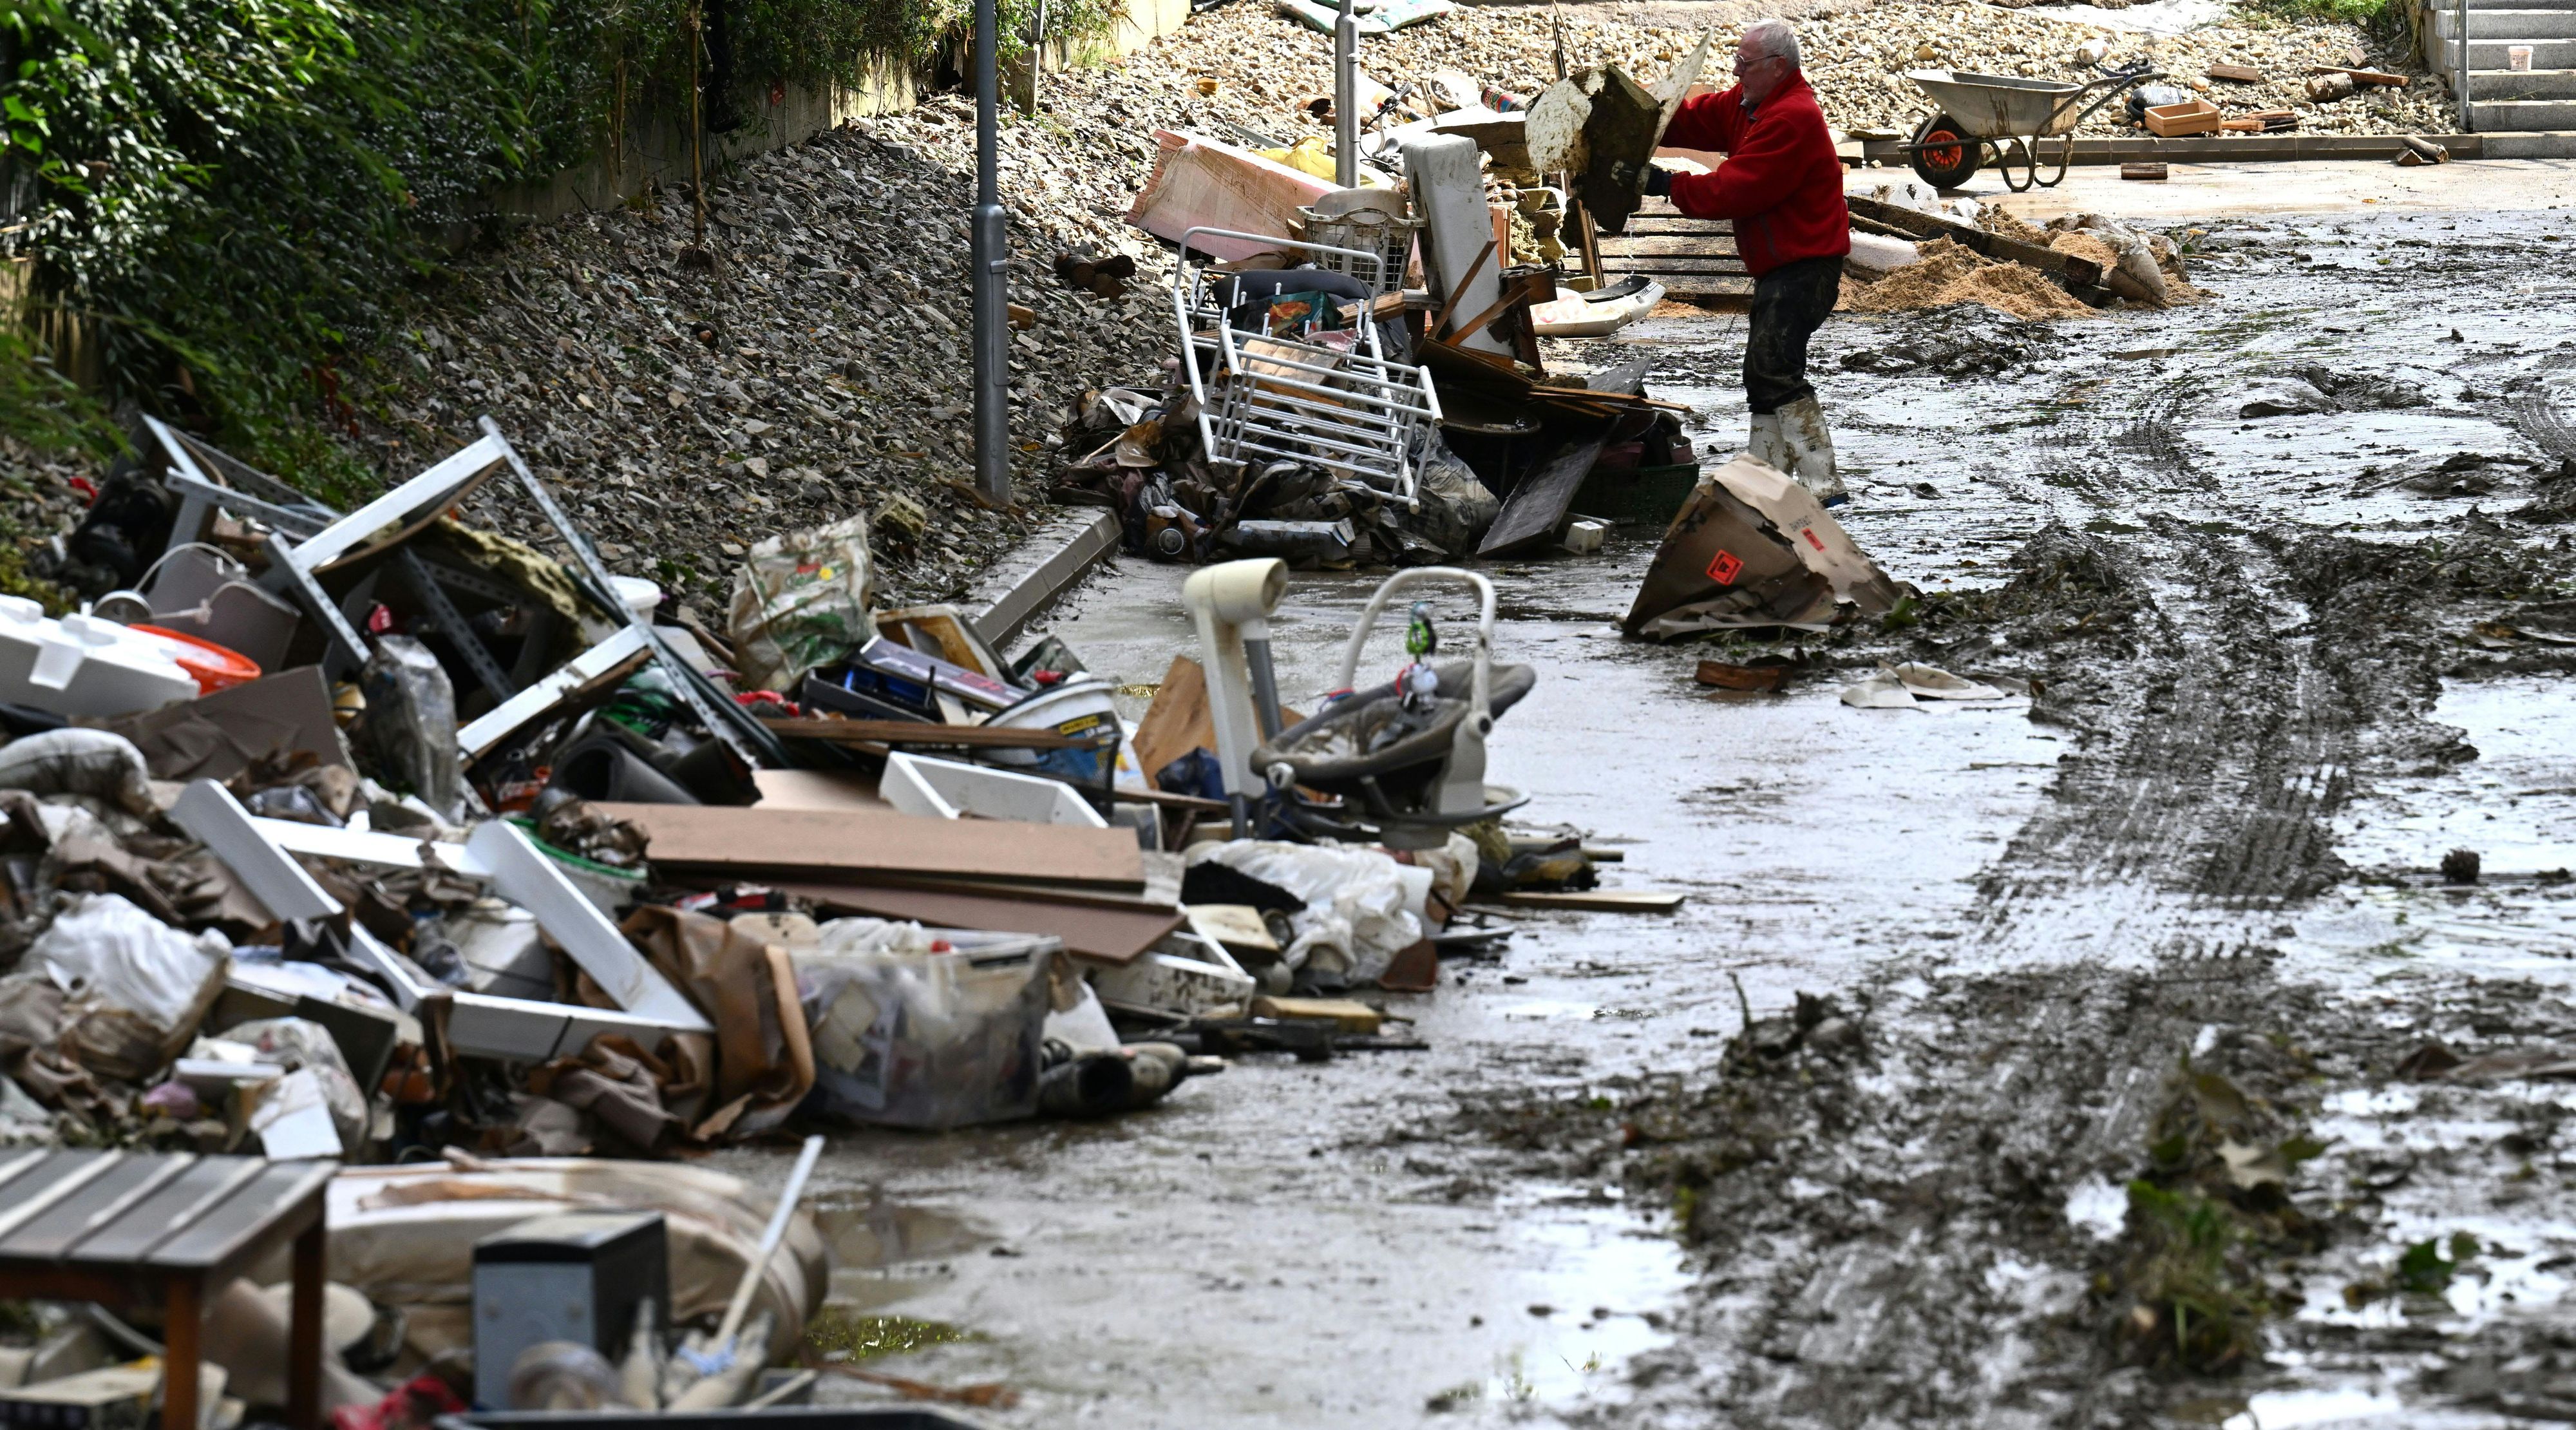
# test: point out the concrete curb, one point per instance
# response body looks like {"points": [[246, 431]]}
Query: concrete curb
{"points": [[1030, 578]]}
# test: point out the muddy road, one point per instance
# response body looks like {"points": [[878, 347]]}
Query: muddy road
{"points": [[2119, 1056]]}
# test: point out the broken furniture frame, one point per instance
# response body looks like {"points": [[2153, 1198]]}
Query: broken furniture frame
{"points": [[1358, 413], [260, 852], [328, 539]]}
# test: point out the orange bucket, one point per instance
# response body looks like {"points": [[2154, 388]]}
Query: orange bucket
{"points": [[215, 667]]}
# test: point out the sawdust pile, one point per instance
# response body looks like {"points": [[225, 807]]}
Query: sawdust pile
{"points": [[1995, 220], [2080, 245], [1950, 274]]}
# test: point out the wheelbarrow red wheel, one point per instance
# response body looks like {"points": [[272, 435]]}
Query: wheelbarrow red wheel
{"points": [[1944, 152]]}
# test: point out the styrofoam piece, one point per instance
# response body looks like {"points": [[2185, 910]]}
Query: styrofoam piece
{"points": [[80, 665], [946, 789], [1583, 536], [595, 664], [1448, 186]]}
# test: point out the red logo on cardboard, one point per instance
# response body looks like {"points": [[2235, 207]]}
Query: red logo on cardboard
{"points": [[1726, 568], [1814, 540]]}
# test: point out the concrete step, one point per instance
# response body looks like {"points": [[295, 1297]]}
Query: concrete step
{"points": [[2442, 54], [2546, 145], [2522, 84], [2505, 115], [2477, 5], [2520, 24]]}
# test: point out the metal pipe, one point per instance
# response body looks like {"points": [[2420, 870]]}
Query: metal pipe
{"points": [[2460, 68], [990, 258], [1265, 685], [1037, 57], [1346, 97]]}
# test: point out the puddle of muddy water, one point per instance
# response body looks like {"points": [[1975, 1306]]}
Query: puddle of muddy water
{"points": [[2515, 805]]}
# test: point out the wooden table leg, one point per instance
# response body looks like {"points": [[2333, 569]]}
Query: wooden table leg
{"points": [[180, 1360], [304, 1335]]}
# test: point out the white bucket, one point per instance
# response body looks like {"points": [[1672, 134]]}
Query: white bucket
{"points": [[1080, 706], [637, 595]]}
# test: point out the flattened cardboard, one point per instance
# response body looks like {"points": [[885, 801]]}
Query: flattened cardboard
{"points": [[1753, 548], [780, 844], [215, 737]]}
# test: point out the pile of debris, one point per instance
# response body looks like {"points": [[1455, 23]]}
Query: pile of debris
{"points": [[381, 838]]}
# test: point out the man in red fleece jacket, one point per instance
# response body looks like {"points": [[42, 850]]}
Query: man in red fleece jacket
{"points": [[1782, 184]]}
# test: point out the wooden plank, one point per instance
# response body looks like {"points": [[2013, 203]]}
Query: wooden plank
{"points": [[159, 1217], [924, 732], [1992, 245], [102, 1201], [1117, 936], [1606, 901], [281, 1201], [1653, 264], [2364, 77], [2235, 74], [1691, 244], [778, 844], [55, 1179]]}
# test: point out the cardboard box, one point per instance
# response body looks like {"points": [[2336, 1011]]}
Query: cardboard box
{"points": [[2171, 121], [1753, 548]]}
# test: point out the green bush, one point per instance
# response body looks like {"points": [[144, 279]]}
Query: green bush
{"points": [[238, 192]]}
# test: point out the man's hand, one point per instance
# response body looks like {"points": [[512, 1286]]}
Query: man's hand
{"points": [[1659, 182]]}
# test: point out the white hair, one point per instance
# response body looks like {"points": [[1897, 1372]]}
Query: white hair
{"points": [[1772, 40]]}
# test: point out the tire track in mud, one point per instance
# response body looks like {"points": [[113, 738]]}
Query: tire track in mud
{"points": [[2537, 416], [1927, 1274]]}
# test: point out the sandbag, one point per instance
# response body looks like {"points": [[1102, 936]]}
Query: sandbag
{"points": [[800, 600], [76, 761]]}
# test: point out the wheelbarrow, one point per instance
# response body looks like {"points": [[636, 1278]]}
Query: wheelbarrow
{"points": [[1981, 119], [1407, 774]]}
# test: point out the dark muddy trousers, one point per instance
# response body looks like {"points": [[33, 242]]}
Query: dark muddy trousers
{"points": [[1789, 303]]}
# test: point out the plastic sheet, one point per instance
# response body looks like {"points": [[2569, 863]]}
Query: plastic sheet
{"points": [[1356, 917], [908, 1037], [134, 988]]}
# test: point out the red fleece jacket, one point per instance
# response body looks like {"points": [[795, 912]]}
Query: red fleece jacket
{"points": [[1781, 182]]}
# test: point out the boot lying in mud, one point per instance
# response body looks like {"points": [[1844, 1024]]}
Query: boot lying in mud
{"points": [[1101, 1083]]}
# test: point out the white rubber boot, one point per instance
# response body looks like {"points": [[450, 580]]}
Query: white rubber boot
{"points": [[1766, 445], [1811, 451]]}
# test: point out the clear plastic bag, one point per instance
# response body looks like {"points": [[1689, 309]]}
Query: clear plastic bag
{"points": [[411, 722]]}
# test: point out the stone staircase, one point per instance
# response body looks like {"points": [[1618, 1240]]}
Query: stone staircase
{"points": [[2519, 113]]}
